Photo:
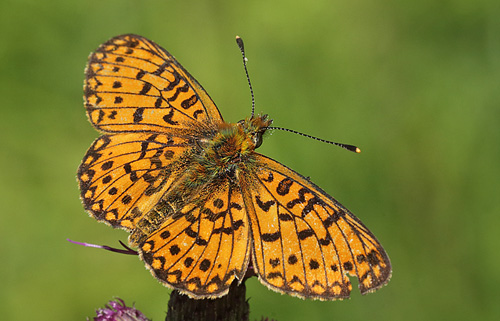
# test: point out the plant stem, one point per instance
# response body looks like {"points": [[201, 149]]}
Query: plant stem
{"points": [[231, 307]]}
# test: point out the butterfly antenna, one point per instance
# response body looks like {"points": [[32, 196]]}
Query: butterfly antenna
{"points": [[351, 148], [239, 41]]}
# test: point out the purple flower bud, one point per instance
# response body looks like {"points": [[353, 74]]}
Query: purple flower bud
{"points": [[117, 311]]}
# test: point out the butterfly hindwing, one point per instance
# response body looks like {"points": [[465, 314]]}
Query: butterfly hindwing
{"points": [[134, 85], [203, 247], [304, 242], [123, 176]]}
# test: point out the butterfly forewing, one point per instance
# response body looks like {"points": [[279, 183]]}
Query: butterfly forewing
{"points": [[305, 243], [133, 85]]}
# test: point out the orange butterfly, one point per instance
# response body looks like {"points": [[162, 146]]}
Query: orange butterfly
{"points": [[199, 202]]}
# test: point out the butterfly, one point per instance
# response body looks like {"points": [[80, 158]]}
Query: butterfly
{"points": [[200, 204]]}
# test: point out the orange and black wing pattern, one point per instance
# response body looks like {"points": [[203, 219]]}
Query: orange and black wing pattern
{"points": [[122, 177], [203, 247], [148, 105], [199, 203], [134, 85], [304, 242]]}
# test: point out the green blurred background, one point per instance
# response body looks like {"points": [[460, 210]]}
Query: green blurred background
{"points": [[415, 84]]}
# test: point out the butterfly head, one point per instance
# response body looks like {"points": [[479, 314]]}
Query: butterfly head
{"points": [[233, 143], [254, 128]]}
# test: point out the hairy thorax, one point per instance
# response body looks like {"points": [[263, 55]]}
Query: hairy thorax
{"points": [[215, 159], [231, 145]]}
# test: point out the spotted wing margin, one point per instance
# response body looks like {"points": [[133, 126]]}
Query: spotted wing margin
{"points": [[305, 242], [122, 177], [134, 85], [203, 247]]}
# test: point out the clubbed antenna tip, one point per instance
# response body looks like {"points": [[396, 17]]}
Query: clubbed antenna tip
{"points": [[239, 41]]}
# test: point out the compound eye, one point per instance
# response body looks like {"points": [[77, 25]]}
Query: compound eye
{"points": [[257, 139]]}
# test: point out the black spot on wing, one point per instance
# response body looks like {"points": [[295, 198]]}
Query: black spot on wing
{"points": [[284, 186], [196, 113], [205, 265], [107, 165], [305, 234], [373, 258], [274, 262], [313, 264], [333, 218], [174, 249], [168, 118], [145, 88], [138, 114], [271, 237], [269, 178], [188, 103], [348, 266], [265, 206], [188, 261]]}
